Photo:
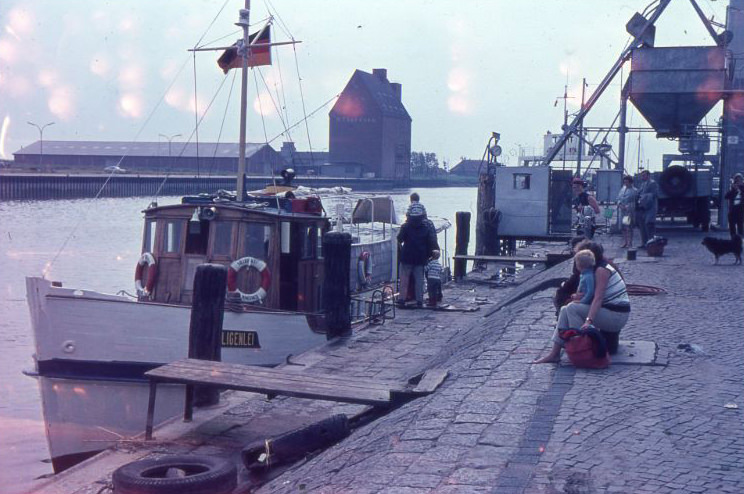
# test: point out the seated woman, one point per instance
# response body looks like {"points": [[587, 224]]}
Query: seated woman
{"points": [[608, 312]]}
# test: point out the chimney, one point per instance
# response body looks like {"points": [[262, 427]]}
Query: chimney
{"points": [[380, 74], [288, 150], [397, 90]]}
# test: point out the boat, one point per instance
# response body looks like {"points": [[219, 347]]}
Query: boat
{"points": [[92, 349]]}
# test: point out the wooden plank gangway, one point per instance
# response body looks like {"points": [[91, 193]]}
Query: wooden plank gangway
{"points": [[274, 382]]}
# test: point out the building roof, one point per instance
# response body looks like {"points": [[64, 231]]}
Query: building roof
{"points": [[381, 91], [118, 148], [467, 167]]}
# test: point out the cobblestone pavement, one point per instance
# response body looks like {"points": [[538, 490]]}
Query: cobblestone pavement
{"points": [[500, 424]]}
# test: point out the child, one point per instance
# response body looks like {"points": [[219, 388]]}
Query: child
{"points": [[584, 260], [434, 279]]}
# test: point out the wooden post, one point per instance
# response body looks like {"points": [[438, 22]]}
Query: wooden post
{"points": [[462, 223], [205, 330], [486, 239], [336, 291]]}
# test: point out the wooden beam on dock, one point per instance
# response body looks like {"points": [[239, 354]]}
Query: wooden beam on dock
{"points": [[274, 382], [550, 259]]}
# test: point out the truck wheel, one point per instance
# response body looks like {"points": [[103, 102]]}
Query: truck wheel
{"points": [[182, 474], [675, 181]]}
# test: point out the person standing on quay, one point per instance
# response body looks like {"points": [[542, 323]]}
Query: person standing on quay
{"points": [[735, 197], [417, 242], [646, 207], [626, 202]]}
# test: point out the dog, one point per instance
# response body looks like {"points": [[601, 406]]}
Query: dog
{"points": [[721, 246]]}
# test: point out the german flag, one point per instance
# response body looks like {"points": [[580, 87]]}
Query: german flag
{"points": [[258, 55]]}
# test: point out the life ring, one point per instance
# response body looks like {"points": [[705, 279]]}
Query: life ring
{"points": [[364, 274], [146, 260], [232, 279]]}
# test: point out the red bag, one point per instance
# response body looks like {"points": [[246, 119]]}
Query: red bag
{"points": [[586, 349]]}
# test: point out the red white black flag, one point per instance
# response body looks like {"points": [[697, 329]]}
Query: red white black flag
{"points": [[259, 53]]}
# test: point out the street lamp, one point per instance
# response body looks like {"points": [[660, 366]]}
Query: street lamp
{"points": [[170, 139], [41, 138]]}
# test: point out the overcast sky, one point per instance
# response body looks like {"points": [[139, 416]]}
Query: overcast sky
{"points": [[120, 70]]}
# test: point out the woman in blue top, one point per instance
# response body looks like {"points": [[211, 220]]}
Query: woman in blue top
{"points": [[609, 309]]}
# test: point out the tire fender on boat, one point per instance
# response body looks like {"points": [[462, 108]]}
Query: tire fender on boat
{"points": [[147, 260], [232, 279]]}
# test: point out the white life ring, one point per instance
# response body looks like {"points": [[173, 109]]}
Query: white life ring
{"points": [[147, 260], [232, 279]]}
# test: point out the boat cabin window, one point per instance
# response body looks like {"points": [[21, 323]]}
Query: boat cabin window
{"points": [[256, 240], [148, 244], [286, 237], [222, 238], [310, 242], [521, 181], [197, 237], [173, 231]]}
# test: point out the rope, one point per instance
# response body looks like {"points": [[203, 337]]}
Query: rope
{"points": [[211, 23], [222, 124], [302, 120], [260, 106], [196, 117], [304, 111], [183, 148], [644, 290]]}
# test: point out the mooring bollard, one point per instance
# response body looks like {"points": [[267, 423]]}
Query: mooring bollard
{"points": [[336, 291], [205, 329], [462, 222]]}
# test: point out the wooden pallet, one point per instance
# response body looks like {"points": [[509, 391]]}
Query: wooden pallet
{"points": [[274, 382]]}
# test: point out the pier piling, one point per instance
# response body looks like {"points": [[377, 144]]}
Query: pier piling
{"points": [[205, 330], [462, 223], [336, 291]]}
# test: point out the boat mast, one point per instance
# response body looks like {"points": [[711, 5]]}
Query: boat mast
{"points": [[243, 23]]}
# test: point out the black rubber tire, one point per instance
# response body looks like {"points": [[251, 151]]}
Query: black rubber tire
{"points": [[203, 475], [675, 181]]}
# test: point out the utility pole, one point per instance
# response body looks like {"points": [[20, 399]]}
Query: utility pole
{"points": [[170, 139], [41, 139]]}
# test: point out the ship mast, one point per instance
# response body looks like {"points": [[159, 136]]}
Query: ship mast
{"points": [[243, 23]]}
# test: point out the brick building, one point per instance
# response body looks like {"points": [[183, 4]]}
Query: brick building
{"points": [[369, 126]]}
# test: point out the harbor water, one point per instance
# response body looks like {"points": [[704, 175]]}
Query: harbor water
{"points": [[92, 244]]}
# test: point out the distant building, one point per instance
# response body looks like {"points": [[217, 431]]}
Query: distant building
{"points": [[212, 158], [303, 162], [467, 168], [369, 126]]}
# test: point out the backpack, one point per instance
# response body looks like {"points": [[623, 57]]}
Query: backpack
{"points": [[585, 348]]}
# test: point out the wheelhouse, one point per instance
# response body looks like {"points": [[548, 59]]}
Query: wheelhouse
{"points": [[273, 249]]}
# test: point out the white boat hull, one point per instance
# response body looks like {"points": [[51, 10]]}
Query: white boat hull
{"points": [[92, 349]]}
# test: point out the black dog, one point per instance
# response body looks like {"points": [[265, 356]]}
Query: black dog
{"points": [[721, 246]]}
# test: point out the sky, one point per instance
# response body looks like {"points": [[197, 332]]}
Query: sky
{"points": [[120, 71]]}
